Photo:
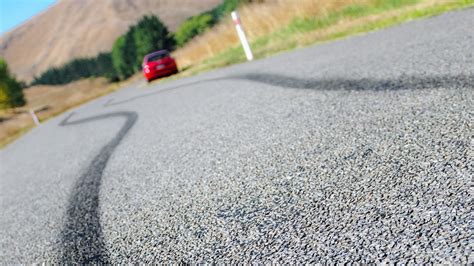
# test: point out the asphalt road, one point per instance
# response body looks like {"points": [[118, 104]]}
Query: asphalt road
{"points": [[355, 150]]}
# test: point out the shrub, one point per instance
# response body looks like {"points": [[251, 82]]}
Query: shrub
{"points": [[11, 92], [196, 25], [100, 65], [192, 27], [226, 7]]}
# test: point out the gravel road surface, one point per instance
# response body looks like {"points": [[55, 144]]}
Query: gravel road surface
{"points": [[355, 150]]}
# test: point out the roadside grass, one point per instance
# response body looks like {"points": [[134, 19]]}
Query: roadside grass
{"points": [[49, 101], [347, 18]]}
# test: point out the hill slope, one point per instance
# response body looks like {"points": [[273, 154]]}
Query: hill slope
{"points": [[72, 28]]}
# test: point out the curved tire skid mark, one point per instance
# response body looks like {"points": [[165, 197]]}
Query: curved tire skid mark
{"points": [[328, 84], [404, 82], [81, 237]]}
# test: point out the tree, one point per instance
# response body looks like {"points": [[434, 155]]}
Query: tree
{"points": [[150, 34], [118, 57], [105, 66], [11, 92], [124, 55]]}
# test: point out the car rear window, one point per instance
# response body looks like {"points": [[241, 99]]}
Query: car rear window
{"points": [[157, 57]]}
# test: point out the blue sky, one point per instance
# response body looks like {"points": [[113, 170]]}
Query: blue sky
{"points": [[14, 12]]}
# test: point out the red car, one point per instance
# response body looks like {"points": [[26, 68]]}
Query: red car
{"points": [[158, 64]]}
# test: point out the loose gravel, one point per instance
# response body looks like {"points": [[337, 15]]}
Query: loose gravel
{"points": [[358, 150]]}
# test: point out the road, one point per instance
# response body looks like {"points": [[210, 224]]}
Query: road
{"points": [[354, 150]]}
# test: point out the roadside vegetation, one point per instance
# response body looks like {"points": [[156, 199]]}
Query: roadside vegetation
{"points": [[198, 24], [11, 91], [273, 26], [99, 66], [48, 101]]}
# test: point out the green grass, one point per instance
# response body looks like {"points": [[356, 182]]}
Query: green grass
{"points": [[285, 38]]}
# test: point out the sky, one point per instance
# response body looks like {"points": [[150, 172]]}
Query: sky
{"points": [[15, 12]]}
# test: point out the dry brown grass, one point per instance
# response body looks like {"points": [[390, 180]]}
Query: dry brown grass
{"points": [[351, 23], [49, 101], [259, 19]]}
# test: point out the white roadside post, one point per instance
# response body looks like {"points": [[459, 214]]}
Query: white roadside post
{"points": [[35, 118], [242, 37]]}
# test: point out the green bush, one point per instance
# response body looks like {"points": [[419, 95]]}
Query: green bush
{"points": [[226, 7], [11, 92], [100, 65], [192, 27], [124, 55], [196, 25]]}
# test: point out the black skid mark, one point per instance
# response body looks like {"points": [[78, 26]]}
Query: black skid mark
{"points": [[405, 82], [81, 237]]}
